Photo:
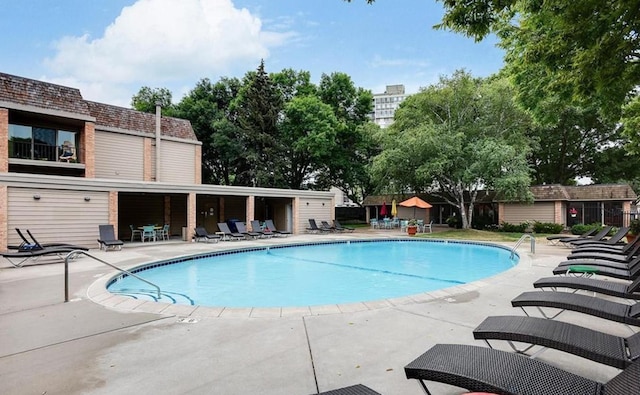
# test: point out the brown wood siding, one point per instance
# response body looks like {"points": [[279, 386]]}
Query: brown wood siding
{"points": [[119, 156], [314, 210], [177, 162], [519, 213], [59, 216]]}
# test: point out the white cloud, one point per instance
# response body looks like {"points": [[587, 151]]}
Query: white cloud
{"points": [[159, 42]]}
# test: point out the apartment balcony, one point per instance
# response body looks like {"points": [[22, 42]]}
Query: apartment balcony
{"points": [[37, 158]]}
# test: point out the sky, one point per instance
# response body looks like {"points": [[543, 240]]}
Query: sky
{"points": [[109, 49]]}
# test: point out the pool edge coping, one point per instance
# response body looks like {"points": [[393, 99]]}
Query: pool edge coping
{"points": [[97, 292]]}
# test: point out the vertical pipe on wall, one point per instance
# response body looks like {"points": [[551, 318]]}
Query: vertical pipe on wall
{"points": [[158, 121]]}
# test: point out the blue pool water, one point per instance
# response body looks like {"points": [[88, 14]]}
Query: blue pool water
{"points": [[319, 274]]}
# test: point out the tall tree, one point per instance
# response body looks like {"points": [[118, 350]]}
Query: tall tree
{"points": [[207, 106], [456, 138], [147, 98], [258, 108], [308, 131], [347, 168]]}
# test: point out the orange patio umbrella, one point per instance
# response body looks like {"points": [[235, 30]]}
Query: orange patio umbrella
{"points": [[415, 202]]}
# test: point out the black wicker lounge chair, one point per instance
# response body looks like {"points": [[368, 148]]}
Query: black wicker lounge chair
{"points": [[614, 256], [554, 239], [598, 236], [622, 249], [19, 258], [341, 228], [597, 346], [601, 263], [272, 227], [358, 389], [611, 288], [228, 234], [242, 229], [611, 241], [630, 273], [487, 370], [201, 234], [108, 239], [591, 305], [326, 226], [33, 244]]}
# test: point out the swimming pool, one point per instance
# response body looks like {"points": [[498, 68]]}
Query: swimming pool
{"points": [[316, 274]]}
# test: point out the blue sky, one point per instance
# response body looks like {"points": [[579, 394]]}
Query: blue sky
{"points": [[110, 48]]}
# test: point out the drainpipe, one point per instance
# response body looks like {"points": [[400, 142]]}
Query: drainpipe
{"points": [[158, 121]]}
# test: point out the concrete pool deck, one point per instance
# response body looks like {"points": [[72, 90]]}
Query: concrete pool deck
{"points": [[103, 344]]}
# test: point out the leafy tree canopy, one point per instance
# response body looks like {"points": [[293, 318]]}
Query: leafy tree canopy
{"points": [[456, 138], [146, 99]]}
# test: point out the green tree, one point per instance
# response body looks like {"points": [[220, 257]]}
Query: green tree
{"points": [[308, 131], [207, 106], [258, 107], [347, 167], [146, 99], [456, 138]]}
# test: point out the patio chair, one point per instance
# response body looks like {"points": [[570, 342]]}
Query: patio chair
{"points": [[201, 234], [242, 229], [427, 226], [358, 389], [108, 239], [611, 288], [613, 240], [374, 223], [623, 273], [19, 258], [554, 239], [314, 228], [597, 346], [621, 249], [600, 263], [33, 244], [621, 256], [484, 369], [228, 234], [135, 232], [591, 305], [163, 234], [326, 226], [272, 227], [341, 228], [255, 227], [148, 233], [598, 236]]}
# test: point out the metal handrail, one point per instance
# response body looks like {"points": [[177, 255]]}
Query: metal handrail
{"points": [[520, 240], [73, 253]]}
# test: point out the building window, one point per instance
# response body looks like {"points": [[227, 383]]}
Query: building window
{"points": [[37, 143]]}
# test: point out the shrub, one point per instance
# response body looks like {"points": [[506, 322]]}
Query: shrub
{"points": [[547, 227], [579, 229], [512, 228], [634, 227]]}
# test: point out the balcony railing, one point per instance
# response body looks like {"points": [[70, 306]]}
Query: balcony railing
{"points": [[38, 151]]}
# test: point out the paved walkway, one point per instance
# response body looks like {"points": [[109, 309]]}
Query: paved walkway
{"points": [[100, 344]]}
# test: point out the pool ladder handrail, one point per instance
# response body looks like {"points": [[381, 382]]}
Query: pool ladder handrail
{"points": [[74, 253], [521, 240]]}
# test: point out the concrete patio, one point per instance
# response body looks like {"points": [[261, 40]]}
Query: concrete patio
{"points": [[99, 344]]}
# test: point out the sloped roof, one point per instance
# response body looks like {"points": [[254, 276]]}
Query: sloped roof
{"points": [[550, 192], [602, 192], [40, 94], [123, 118]]}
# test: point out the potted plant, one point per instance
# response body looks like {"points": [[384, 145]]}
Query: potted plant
{"points": [[412, 227], [634, 230]]}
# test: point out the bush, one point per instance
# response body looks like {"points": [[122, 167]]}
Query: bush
{"points": [[547, 227], [512, 228], [579, 229]]}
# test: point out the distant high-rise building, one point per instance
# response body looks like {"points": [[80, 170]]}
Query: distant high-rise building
{"points": [[385, 104]]}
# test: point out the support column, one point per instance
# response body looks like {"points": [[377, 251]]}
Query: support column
{"points": [[113, 210], [4, 230], [4, 140], [191, 215], [88, 154], [251, 210]]}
